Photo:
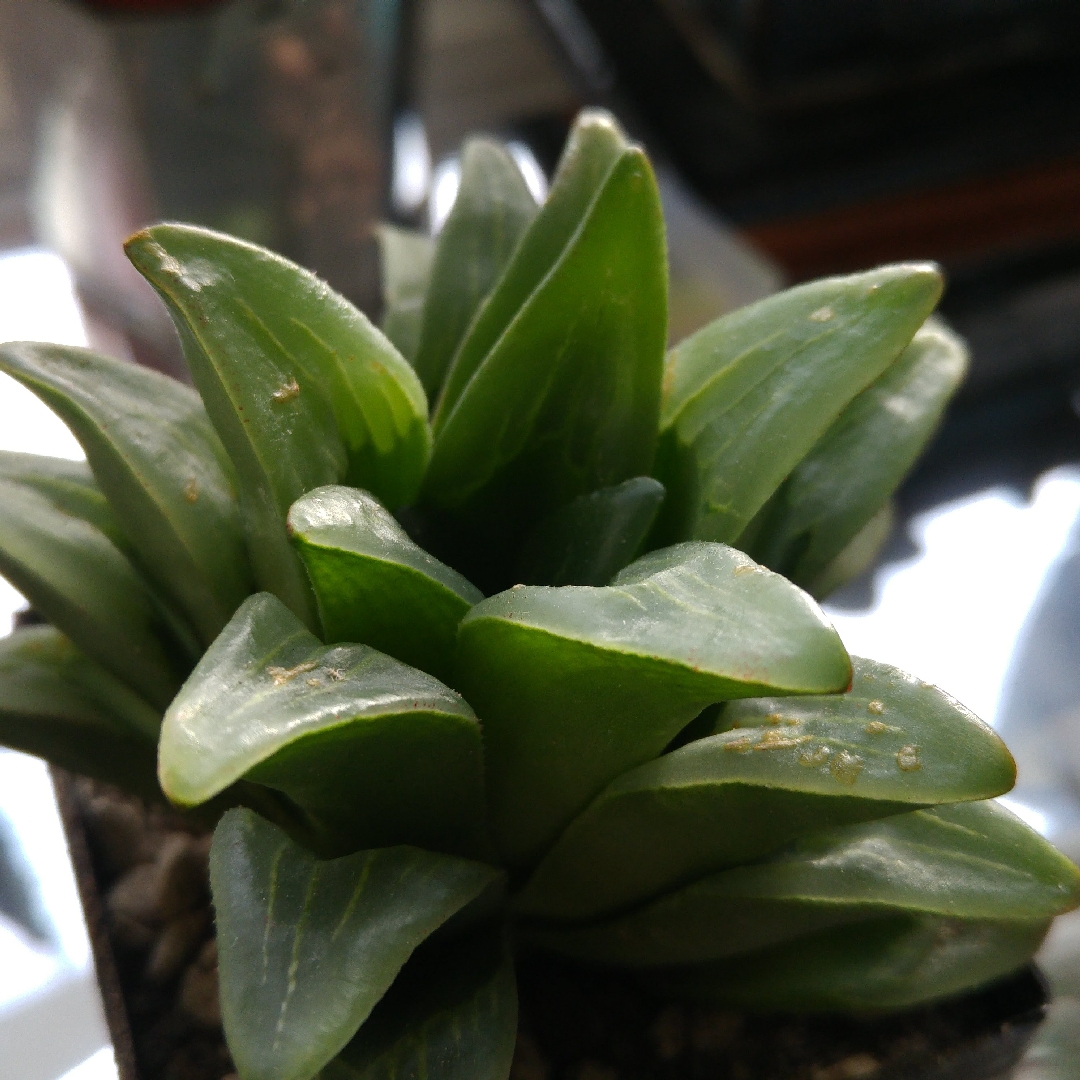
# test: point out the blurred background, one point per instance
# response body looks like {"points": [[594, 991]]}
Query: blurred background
{"points": [[793, 138]]}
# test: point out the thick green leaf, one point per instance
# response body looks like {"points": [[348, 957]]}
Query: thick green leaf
{"points": [[450, 1015], [747, 397], [874, 966], [858, 463], [588, 541], [374, 585], [858, 556], [567, 400], [77, 579], [68, 485], [574, 685], [307, 948], [406, 269], [969, 861], [59, 704], [374, 752], [492, 209], [160, 465], [302, 389], [794, 766], [594, 145], [378, 402]]}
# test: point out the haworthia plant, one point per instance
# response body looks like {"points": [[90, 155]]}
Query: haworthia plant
{"points": [[356, 553], [170, 484], [847, 875], [318, 943], [68, 485], [372, 751], [57, 702], [492, 209], [301, 388], [577, 684], [838, 488], [747, 397], [566, 400], [535, 669], [888, 745], [78, 579], [406, 273]]}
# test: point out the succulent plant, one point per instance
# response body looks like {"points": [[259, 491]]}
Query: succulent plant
{"points": [[537, 669]]}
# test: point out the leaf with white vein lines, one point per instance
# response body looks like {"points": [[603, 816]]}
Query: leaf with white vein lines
{"points": [[307, 948], [450, 1015]]}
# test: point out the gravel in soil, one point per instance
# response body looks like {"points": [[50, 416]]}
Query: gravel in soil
{"points": [[153, 878], [575, 1023]]}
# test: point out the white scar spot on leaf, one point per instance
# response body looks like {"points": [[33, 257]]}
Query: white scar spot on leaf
{"points": [[846, 767], [823, 314], [287, 392], [197, 274], [907, 759], [816, 756], [778, 740], [282, 675]]}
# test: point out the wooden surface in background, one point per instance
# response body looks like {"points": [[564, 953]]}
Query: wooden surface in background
{"points": [[1013, 211]]}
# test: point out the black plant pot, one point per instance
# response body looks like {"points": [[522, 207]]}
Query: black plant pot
{"points": [[576, 1023]]}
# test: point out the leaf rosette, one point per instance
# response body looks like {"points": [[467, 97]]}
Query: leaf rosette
{"points": [[496, 628]]}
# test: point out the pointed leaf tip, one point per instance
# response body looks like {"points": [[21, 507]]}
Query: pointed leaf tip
{"points": [[859, 462], [747, 397], [576, 684], [373, 752], [492, 209], [783, 768], [302, 389], [374, 586]]}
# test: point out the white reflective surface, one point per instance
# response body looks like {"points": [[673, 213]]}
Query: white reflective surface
{"points": [[951, 614], [51, 1019]]}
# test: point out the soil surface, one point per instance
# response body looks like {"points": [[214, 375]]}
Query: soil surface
{"points": [[575, 1023], [153, 882]]}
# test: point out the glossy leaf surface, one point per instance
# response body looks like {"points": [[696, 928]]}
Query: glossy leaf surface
{"points": [[747, 397], [451, 1015], [307, 948], [858, 556], [492, 209], [794, 766], [594, 145], [969, 861], [68, 485], [406, 270], [574, 685], [61, 705], [373, 584], [302, 389], [588, 541], [567, 400], [867, 967], [374, 752], [77, 579], [858, 463], [159, 463]]}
